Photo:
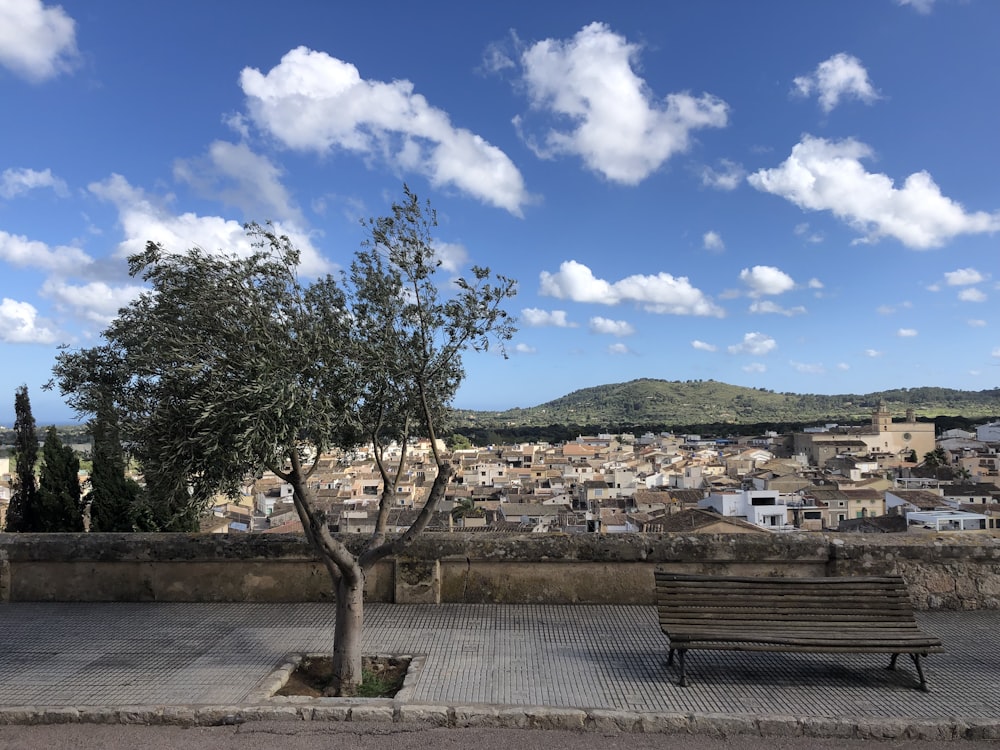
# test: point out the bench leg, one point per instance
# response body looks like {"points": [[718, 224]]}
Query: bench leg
{"points": [[920, 672], [916, 663], [670, 658], [683, 681]]}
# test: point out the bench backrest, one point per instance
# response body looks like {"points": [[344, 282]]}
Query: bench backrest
{"points": [[850, 599]]}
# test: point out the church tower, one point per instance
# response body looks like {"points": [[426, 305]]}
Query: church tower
{"points": [[881, 418]]}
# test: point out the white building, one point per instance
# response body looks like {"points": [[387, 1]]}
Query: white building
{"points": [[989, 433], [764, 508], [946, 520], [264, 502]]}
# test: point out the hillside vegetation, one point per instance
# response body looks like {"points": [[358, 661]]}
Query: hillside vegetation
{"points": [[668, 403]]}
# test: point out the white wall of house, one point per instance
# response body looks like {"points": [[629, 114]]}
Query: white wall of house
{"points": [[766, 508], [946, 520], [989, 433]]}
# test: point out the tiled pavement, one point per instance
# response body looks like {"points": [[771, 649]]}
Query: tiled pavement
{"points": [[586, 657]]}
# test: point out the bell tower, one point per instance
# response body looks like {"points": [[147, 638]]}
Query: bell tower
{"points": [[881, 418]]}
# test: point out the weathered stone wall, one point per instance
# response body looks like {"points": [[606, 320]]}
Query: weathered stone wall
{"points": [[957, 572]]}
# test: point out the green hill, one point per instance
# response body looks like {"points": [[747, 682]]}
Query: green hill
{"points": [[693, 402]]}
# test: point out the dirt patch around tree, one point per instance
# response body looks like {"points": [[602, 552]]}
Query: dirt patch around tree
{"points": [[382, 677]]}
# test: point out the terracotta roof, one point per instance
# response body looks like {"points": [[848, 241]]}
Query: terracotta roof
{"points": [[921, 499], [693, 519]]}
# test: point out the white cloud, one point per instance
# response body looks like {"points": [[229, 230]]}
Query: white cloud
{"points": [[873, 353], [24, 253], [234, 174], [19, 324], [662, 293], [496, 57], [803, 230], [618, 128], [755, 367], [906, 333], [763, 307], [619, 349], [756, 344], [921, 6], [143, 220], [995, 352], [807, 368], [822, 175], [711, 240], [971, 295], [451, 255], [97, 301], [728, 176], [612, 327], [843, 366], [311, 101], [840, 77], [964, 277], [766, 280], [14, 182], [702, 346], [815, 284], [534, 317], [891, 310], [976, 323], [577, 282], [36, 41], [525, 349]]}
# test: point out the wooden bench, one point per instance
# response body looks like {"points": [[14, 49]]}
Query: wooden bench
{"points": [[856, 615]]}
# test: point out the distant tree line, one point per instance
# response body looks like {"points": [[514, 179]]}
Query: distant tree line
{"points": [[562, 433]]}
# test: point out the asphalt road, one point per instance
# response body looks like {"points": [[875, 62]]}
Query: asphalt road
{"points": [[361, 736]]}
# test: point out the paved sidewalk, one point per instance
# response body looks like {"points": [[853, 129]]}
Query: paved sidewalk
{"points": [[481, 664]]}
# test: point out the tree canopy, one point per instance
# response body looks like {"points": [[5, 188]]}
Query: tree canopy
{"points": [[231, 365], [59, 486]]}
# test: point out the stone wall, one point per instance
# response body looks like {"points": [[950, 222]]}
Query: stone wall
{"points": [[957, 572]]}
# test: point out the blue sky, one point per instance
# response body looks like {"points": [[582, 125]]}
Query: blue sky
{"points": [[787, 195]]}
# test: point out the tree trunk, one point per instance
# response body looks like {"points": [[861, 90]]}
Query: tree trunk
{"points": [[347, 634], [346, 575]]}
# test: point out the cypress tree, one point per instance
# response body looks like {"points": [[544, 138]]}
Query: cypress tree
{"points": [[23, 511], [113, 496], [59, 488]]}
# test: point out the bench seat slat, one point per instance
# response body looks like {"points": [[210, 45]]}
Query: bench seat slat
{"points": [[694, 578], [792, 606], [803, 649], [786, 614], [753, 625]]}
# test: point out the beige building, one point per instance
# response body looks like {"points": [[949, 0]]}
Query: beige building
{"points": [[882, 437]]}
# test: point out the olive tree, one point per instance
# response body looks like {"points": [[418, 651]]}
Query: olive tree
{"points": [[229, 365]]}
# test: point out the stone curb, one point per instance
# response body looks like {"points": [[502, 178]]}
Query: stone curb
{"points": [[511, 717]]}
